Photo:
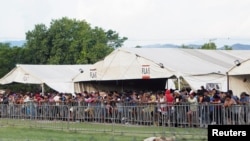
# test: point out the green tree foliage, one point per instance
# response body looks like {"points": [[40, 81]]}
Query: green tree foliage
{"points": [[9, 56], [65, 41], [226, 47], [185, 46], [210, 45], [70, 41], [37, 45], [114, 40]]}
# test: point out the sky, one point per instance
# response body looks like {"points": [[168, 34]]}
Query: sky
{"points": [[143, 22]]}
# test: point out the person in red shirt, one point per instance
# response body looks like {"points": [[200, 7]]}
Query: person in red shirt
{"points": [[169, 96]]}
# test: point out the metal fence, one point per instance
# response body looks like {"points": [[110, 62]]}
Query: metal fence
{"points": [[166, 117], [181, 115]]}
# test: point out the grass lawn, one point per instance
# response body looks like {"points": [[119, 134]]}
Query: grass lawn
{"points": [[33, 130]]}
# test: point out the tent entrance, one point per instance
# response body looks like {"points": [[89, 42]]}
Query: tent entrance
{"points": [[122, 85]]}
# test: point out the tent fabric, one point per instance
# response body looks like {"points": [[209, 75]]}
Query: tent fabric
{"points": [[239, 77], [243, 69], [136, 63], [192, 61], [196, 66], [124, 65], [58, 77], [239, 84], [209, 81]]}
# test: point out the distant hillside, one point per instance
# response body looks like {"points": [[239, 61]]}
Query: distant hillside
{"points": [[241, 47], [161, 46], [18, 43], [237, 46], [169, 46], [234, 46]]}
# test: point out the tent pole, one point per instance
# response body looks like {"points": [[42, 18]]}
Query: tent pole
{"points": [[166, 86], [179, 83], [227, 81], [122, 85], [42, 85]]}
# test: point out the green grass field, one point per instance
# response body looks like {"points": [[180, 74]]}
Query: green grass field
{"points": [[35, 130]]}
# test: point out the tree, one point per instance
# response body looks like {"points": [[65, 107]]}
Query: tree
{"points": [[185, 46], [226, 47], [9, 57], [70, 41], [114, 40], [37, 45], [210, 45]]}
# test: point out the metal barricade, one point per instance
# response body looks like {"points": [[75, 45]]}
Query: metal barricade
{"points": [[144, 114]]}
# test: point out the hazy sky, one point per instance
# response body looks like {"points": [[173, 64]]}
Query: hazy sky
{"points": [[142, 21]]}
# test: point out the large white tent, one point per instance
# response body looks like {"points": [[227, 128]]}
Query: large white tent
{"points": [[198, 67], [239, 77], [124, 65], [57, 77]]}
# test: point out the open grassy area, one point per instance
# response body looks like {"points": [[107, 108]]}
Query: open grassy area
{"points": [[35, 130]]}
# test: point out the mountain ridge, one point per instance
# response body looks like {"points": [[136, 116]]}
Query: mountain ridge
{"points": [[236, 46]]}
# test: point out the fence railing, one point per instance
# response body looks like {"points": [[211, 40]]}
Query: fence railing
{"points": [[167, 115], [158, 118]]}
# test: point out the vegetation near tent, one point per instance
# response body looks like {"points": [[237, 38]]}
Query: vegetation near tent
{"points": [[69, 41], [65, 41], [208, 46]]}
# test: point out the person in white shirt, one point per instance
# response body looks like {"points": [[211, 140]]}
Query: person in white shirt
{"points": [[193, 107]]}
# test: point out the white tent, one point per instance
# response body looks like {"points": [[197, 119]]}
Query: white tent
{"points": [[239, 77], [57, 77], [209, 81], [124, 69], [198, 67], [124, 65]]}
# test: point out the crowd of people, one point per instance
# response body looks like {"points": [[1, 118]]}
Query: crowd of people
{"points": [[186, 106]]}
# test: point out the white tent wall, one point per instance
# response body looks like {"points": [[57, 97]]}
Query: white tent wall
{"points": [[57, 77], [242, 69], [19, 75], [239, 84], [123, 70], [239, 77], [209, 81], [63, 87], [123, 65], [192, 61], [198, 67], [194, 65]]}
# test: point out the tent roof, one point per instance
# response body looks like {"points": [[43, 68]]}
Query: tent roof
{"points": [[192, 61], [243, 69], [197, 66], [58, 77], [124, 65]]}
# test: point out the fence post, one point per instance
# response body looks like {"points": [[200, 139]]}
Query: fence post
{"points": [[68, 117]]}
